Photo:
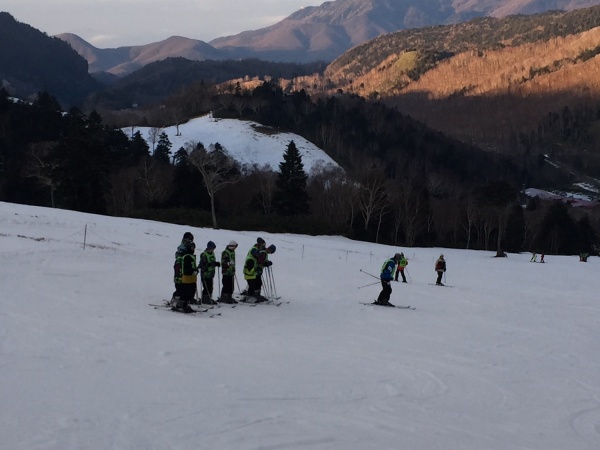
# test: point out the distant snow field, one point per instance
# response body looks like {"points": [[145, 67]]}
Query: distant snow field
{"points": [[246, 141]]}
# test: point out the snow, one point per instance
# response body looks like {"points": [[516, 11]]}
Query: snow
{"points": [[505, 359], [246, 141], [574, 199]]}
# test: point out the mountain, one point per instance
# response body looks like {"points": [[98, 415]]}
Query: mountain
{"points": [[158, 80], [124, 60], [498, 83], [325, 32], [315, 33], [31, 61]]}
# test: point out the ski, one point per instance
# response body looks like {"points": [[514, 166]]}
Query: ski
{"points": [[440, 285], [395, 306], [201, 311]]}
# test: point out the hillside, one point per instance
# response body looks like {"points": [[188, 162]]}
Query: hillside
{"points": [[125, 60], [503, 84], [505, 359], [159, 80], [325, 32], [440, 42], [315, 33], [31, 61]]}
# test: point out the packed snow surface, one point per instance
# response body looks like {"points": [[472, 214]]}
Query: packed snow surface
{"points": [[507, 358]]}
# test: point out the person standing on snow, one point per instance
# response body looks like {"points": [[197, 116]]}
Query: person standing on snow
{"points": [[388, 271], [186, 273], [207, 266], [263, 262], [253, 267], [440, 268], [181, 249], [401, 266], [228, 267]]}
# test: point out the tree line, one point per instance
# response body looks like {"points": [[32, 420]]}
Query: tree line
{"points": [[400, 183]]}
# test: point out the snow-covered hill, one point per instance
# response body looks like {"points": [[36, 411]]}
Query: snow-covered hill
{"points": [[505, 359], [246, 141]]}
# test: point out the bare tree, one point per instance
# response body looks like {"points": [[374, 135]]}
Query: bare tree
{"points": [[154, 180], [470, 218], [373, 195], [239, 103], [217, 170], [123, 191], [333, 196], [41, 167], [153, 135]]}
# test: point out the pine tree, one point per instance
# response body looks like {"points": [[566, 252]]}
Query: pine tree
{"points": [[291, 197], [162, 152]]}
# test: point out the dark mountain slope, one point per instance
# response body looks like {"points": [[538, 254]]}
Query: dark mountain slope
{"points": [[31, 61]]}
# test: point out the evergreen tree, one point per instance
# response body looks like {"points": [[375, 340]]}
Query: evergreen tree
{"points": [[291, 197], [162, 152], [138, 148]]}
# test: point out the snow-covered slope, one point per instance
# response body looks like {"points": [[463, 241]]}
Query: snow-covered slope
{"points": [[246, 141], [505, 359]]}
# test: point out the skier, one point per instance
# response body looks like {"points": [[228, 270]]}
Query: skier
{"points": [[533, 257], [228, 265], [207, 271], [388, 271], [440, 268], [256, 260], [542, 258], [263, 261], [187, 237], [401, 266], [186, 273]]}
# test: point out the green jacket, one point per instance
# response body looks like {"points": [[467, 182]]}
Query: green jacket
{"points": [[207, 264], [228, 262]]}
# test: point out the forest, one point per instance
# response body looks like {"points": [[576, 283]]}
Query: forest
{"points": [[402, 183]]}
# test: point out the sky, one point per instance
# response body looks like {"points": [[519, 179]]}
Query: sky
{"points": [[116, 23], [504, 357]]}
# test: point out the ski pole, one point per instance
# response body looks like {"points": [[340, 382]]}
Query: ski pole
{"points": [[237, 284], [265, 284], [269, 283], [208, 293], [371, 284], [409, 278], [271, 274], [219, 281], [370, 274]]}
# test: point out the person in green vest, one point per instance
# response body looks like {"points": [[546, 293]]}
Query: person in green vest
{"points": [[228, 268], [185, 275], [401, 266], [253, 266], [207, 266]]}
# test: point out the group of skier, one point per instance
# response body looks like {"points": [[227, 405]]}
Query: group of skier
{"points": [[396, 265], [188, 271]]}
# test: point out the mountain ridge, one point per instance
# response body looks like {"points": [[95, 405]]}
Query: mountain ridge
{"points": [[317, 32]]}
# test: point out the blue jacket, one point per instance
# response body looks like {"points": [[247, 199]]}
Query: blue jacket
{"points": [[388, 270]]}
